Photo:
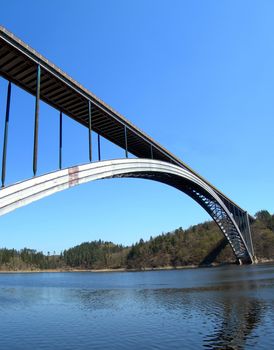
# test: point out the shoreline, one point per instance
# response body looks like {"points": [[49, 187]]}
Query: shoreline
{"points": [[160, 268], [100, 270]]}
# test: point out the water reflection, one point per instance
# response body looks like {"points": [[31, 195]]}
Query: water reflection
{"points": [[226, 316], [226, 308], [239, 319], [241, 311]]}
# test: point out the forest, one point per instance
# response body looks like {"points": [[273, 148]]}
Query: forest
{"points": [[199, 245]]}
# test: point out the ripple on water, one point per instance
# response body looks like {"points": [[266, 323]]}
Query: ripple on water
{"points": [[142, 311]]}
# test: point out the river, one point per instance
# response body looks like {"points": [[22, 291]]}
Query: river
{"points": [[228, 307]]}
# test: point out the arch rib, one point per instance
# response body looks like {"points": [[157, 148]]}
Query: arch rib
{"points": [[23, 193]]}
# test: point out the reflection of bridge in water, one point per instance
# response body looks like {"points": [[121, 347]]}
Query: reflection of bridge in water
{"points": [[240, 311], [21, 65], [239, 319]]}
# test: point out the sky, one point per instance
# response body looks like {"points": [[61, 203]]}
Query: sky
{"points": [[197, 76]]}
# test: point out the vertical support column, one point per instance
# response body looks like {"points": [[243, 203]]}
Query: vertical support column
{"points": [[4, 156], [238, 221], [126, 151], [234, 214], [36, 122], [244, 228], [89, 131], [151, 151], [99, 148], [249, 233], [242, 224], [60, 139]]}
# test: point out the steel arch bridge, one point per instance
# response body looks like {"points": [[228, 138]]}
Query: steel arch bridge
{"points": [[24, 67]]}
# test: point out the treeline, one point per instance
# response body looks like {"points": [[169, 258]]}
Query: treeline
{"points": [[198, 245], [178, 248], [96, 255], [263, 235], [28, 259], [195, 246]]}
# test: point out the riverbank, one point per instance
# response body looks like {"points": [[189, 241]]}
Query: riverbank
{"points": [[160, 268]]}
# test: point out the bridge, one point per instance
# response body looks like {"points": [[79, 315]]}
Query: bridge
{"points": [[23, 66]]}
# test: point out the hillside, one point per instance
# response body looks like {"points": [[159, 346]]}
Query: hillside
{"points": [[201, 244]]}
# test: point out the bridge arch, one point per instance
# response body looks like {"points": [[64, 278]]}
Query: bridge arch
{"points": [[23, 193]]}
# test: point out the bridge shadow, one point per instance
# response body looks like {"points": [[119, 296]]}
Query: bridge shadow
{"points": [[211, 257]]}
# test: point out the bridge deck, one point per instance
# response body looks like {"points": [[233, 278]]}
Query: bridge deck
{"points": [[18, 64]]}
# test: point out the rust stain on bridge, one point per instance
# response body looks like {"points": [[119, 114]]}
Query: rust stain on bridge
{"points": [[73, 176]]}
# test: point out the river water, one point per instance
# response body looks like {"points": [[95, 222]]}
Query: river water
{"points": [[229, 307]]}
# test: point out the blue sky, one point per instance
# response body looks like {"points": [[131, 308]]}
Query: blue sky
{"points": [[198, 76]]}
